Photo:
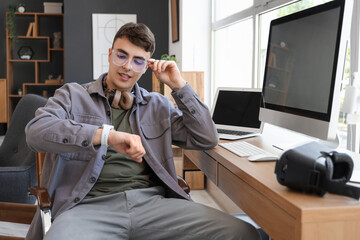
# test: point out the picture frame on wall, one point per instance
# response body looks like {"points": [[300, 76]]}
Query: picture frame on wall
{"points": [[175, 20], [104, 28]]}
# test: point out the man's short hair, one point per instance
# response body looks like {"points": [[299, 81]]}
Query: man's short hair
{"points": [[138, 34]]}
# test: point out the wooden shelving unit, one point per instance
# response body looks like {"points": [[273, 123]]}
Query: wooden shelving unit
{"points": [[35, 30]]}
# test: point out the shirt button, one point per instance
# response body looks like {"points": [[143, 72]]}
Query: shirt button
{"points": [[65, 140], [181, 96], [76, 200], [193, 111], [85, 143], [92, 179], [103, 157]]}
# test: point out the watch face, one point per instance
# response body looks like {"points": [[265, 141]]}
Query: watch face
{"points": [[21, 9]]}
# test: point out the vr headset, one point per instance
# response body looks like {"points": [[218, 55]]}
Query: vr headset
{"points": [[316, 169]]}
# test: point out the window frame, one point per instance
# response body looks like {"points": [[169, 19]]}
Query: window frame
{"points": [[259, 7]]}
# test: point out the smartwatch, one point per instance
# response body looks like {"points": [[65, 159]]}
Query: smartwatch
{"points": [[105, 134]]}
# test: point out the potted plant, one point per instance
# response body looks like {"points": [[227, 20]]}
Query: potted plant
{"points": [[169, 58], [10, 23]]}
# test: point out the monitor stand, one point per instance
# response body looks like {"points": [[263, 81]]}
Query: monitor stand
{"points": [[333, 144], [284, 139]]}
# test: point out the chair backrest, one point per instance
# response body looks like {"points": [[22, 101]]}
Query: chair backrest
{"points": [[14, 150]]}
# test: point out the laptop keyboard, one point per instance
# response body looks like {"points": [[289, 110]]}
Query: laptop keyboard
{"points": [[243, 149], [231, 132]]}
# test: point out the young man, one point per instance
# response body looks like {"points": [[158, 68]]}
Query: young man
{"points": [[109, 166]]}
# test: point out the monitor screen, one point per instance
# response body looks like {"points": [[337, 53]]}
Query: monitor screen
{"points": [[304, 65]]}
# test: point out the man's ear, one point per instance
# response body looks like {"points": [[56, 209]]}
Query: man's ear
{"points": [[110, 51]]}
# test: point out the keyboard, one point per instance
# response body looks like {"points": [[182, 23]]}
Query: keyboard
{"points": [[231, 132], [244, 149], [234, 135]]}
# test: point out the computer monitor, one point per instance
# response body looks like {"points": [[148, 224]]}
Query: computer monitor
{"points": [[304, 69]]}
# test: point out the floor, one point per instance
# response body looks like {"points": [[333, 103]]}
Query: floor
{"points": [[201, 196]]}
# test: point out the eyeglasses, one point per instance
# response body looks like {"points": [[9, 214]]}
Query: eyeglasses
{"points": [[120, 59]]}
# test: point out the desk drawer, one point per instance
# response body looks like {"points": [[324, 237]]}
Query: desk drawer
{"points": [[204, 162], [273, 219]]}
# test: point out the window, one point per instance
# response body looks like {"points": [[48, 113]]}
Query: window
{"points": [[233, 55], [225, 8], [240, 33]]}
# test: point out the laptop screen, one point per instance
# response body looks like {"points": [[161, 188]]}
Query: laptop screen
{"points": [[239, 108]]}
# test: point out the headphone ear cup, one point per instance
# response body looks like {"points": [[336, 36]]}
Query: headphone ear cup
{"points": [[118, 99], [126, 100], [116, 102]]}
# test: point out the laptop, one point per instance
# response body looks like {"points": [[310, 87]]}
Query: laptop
{"points": [[235, 112]]}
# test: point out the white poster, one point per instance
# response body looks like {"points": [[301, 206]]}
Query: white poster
{"points": [[104, 28]]}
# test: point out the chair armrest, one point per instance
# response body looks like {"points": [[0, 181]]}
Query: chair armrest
{"points": [[42, 196], [183, 184]]}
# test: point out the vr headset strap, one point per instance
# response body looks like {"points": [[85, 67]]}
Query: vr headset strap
{"points": [[342, 189]]}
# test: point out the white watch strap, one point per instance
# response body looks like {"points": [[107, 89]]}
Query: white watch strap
{"points": [[105, 134]]}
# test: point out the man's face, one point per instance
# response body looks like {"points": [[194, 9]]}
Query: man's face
{"points": [[123, 78]]}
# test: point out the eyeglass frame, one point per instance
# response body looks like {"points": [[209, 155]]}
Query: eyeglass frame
{"points": [[128, 59]]}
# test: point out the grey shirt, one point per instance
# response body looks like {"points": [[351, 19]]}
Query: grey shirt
{"points": [[64, 129]]}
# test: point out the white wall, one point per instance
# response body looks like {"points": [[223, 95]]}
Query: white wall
{"points": [[194, 48]]}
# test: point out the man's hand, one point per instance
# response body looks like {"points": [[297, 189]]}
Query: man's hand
{"points": [[167, 72], [128, 144]]}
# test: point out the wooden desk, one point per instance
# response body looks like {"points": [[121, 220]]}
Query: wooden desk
{"points": [[281, 212]]}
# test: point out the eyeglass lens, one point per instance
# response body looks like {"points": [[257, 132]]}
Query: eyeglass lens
{"points": [[136, 64]]}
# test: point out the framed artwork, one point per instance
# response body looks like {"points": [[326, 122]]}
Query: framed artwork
{"points": [[175, 20], [104, 28]]}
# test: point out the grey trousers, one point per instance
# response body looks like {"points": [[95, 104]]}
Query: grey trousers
{"points": [[146, 214]]}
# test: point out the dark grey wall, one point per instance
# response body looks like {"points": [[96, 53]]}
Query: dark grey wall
{"points": [[78, 32]]}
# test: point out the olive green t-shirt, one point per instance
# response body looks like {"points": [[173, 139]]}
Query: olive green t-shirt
{"points": [[120, 172]]}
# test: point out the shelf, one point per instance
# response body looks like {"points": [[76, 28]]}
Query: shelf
{"points": [[32, 37], [31, 60], [43, 84], [39, 14], [36, 30], [15, 96]]}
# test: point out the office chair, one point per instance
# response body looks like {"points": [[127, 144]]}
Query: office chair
{"points": [[17, 161]]}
